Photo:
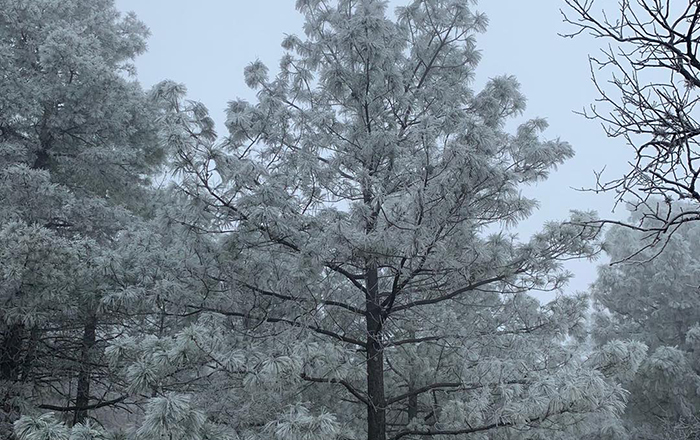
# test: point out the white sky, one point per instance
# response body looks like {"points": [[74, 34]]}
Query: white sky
{"points": [[206, 44]]}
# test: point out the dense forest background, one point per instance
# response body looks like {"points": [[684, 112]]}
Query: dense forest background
{"points": [[342, 259]]}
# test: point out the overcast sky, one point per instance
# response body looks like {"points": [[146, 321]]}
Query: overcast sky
{"points": [[206, 44]]}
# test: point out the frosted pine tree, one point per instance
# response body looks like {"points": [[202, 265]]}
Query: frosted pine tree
{"points": [[364, 289], [77, 144], [652, 298]]}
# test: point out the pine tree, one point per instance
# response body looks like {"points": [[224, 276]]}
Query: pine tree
{"points": [[652, 298], [77, 144], [357, 206]]}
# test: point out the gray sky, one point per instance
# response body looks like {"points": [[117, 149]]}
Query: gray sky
{"points": [[206, 44]]}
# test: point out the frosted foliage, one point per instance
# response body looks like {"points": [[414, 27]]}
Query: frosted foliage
{"points": [[652, 298], [48, 427], [88, 431], [78, 143], [75, 104], [297, 423], [362, 212], [620, 359], [172, 417], [341, 265]]}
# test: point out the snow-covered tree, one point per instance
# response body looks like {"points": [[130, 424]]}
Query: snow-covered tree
{"points": [[77, 144], [367, 281], [654, 300]]}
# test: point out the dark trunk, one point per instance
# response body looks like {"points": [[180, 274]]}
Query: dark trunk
{"points": [[10, 369], [412, 406], [412, 399], [30, 355], [45, 140], [11, 353], [42, 160], [376, 410], [82, 398]]}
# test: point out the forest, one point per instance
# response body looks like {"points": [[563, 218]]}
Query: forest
{"points": [[342, 260]]}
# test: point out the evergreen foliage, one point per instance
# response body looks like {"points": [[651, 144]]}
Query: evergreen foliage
{"points": [[652, 299], [356, 203], [341, 265]]}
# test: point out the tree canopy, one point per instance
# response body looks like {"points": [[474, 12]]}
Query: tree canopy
{"points": [[78, 142], [343, 263], [652, 299], [355, 198]]}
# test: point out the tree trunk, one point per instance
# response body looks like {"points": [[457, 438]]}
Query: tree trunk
{"points": [[376, 410], [29, 355], [412, 405], [412, 399], [10, 369], [42, 160], [11, 352], [82, 398]]}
